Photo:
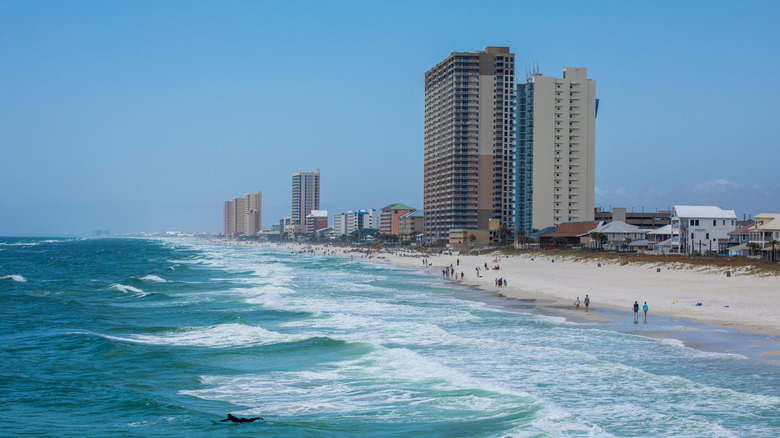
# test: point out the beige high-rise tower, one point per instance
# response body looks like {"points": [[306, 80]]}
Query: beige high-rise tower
{"points": [[556, 149], [469, 167], [253, 212], [305, 197]]}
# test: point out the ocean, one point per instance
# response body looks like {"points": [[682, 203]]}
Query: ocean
{"points": [[143, 337]]}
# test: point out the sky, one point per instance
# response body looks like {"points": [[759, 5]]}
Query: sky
{"points": [[145, 116]]}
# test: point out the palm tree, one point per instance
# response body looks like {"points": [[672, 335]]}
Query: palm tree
{"points": [[774, 243], [472, 238], [503, 233], [600, 239], [753, 247], [625, 244]]}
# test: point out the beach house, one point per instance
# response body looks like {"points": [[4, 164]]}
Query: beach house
{"points": [[765, 231], [701, 228], [619, 235]]}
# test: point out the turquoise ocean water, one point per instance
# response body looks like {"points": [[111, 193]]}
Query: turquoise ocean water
{"points": [[131, 337]]}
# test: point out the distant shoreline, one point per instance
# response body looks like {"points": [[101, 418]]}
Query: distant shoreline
{"points": [[744, 303]]}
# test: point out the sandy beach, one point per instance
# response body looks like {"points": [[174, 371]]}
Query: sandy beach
{"points": [[745, 302]]}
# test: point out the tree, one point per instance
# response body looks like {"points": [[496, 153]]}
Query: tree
{"points": [[774, 243], [503, 233], [600, 239], [626, 243], [522, 238], [753, 247], [472, 238]]}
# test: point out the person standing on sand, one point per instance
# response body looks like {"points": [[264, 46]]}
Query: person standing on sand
{"points": [[587, 302], [636, 311], [644, 309], [577, 303]]}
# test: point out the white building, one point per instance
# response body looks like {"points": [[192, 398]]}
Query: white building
{"points": [[556, 138], [701, 228], [351, 221]]}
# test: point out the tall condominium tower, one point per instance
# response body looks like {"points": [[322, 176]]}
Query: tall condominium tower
{"points": [[253, 211], [556, 149], [305, 197], [469, 169]]}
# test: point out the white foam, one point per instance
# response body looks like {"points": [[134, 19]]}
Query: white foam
{"points": [[18, 278], [154, 279], [218, 336], [676, 343], [128, 289]]}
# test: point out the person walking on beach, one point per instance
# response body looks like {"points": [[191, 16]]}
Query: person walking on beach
{"points": [[587, 302], [644, 309], [577, 303], [636, 312]]}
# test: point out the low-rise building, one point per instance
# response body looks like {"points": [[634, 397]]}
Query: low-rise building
{"points": [[618, 234], [411, 224], [315, 221], [701, 228], [575, 234]]}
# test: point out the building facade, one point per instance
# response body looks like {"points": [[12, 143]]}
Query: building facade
{"points": [[351, 221], [315, 221], [305, 197], [701, 228], [389, 219], [253, 212], [469, 146], [556, 149]]}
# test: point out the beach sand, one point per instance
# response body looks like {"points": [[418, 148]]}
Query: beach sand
{"points": [[744, 302]]}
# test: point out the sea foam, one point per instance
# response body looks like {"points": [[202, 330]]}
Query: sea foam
{"points": [[154, 279], [18, 278]]}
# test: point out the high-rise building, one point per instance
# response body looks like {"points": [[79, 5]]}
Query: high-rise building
{"points": [[469, 168], [305, 197], [556, 148], [253, 211]]}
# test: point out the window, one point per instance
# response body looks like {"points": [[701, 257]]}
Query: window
{"points": [[714, 223], [707, 236]]}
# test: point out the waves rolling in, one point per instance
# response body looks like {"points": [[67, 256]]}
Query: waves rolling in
{"points": [[158, 338]]}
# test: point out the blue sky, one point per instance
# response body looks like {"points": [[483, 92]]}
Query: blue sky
{"points": [[146, 116]]}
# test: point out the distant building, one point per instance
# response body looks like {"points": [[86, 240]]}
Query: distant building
{"points": [[242, 216], [618, 233], [701, 228], [575, 233], [305, 197], [389, 218], [411, 223], [315, 221], [253, 211], [643, 219], [351, 221], [469, 144], [556, 149]]}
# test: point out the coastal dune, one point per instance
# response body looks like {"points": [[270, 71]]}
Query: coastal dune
{"points": [[745, 302]]}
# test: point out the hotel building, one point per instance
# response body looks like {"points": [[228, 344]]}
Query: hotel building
{"points": [[305, 197], [469, 146], [556, 148]]}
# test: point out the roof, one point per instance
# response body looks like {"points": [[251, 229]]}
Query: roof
{"points": [[416, 213], [574, 229], [703, 212], [618, 227], [638, 243], [542, 232], [398, 207], [666, 229], [743, 230], [771, 221]]}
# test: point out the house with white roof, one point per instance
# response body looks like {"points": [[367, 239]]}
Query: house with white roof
{"points": [[619, 233], [764, 232], [660, 240], [701, 228]]}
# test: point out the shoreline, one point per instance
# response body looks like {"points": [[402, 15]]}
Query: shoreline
{"points": [[745, 304]]}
